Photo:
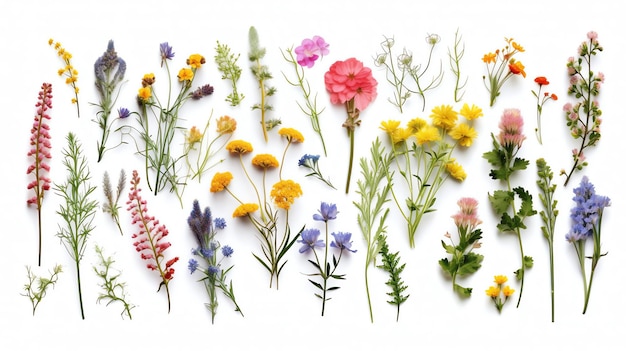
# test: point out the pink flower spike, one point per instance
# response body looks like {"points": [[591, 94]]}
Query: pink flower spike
{"points": [[40, 142]]}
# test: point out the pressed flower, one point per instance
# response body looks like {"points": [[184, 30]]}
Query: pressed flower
{"points": [[239, 147], [285, 192], [310, 162], [310, 50], [541, 100], [489, 58], [148, 79], [389, 126], [68, 70], [166, 52], [342, 241], [196, 60], [185, 74], [507, 291], [427, 134], [511, 125], [500, 279], [326, 213], [416, 124], [292, 135], [226, 125], [471, 113], [493, 291], [220, 181], [500, 67], [202, 91], [123, 112], [245, 209], [309, 240], [444, 117], [265, 161], [194, 135], [464, 134], [145, 93], [455, 170], [542, 81], [517, 67]]}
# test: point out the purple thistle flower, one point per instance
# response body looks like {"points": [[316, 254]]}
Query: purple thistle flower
{"points": [[166, 52], [342, 241], [327, 212], [227, 251], [123, 112], [309, 240]]}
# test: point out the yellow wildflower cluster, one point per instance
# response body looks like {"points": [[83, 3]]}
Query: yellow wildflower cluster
{"points": [[145, 92], [70, 73], [265, 161], [497, 292], [226, 125], [194, 136], [239, 147], [501, 66], [245, 209], [220, 181], [285, 192], [292, 135]]}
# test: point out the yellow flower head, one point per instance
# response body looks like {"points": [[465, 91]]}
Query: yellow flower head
{"points": [[400, 135], [292, 135], [516, 46], [265, 161], [147, 80], [500, 279], [471, 113], [493, 291], [196, 60], [194, 135], [245, 209], [226, 125], [185, 74], [516, 67], [220, 181], [285, 192], [389, 126], [444, 117], [464, 134], [507, 291], [145, 93], [456, 170], [239, 147], [416, 124], [489, 58], [427, 134]]}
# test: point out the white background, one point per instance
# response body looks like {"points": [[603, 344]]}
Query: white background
{"points": [[433, 317]]}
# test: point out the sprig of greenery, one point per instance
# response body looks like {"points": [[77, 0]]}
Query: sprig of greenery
{"points": [[79, 209], [113, 289], [37, 287], [417, 72], [372, 214], [262, 74], [455, 57], [391, 264], [227, 64], [548, 215], [111, 205], [396, 72]]}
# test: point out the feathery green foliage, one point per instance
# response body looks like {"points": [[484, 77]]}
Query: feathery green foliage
{"points": [[111, 206], [391, 264], [113, 289], [227, 64], [37, 287], [262, 74]]}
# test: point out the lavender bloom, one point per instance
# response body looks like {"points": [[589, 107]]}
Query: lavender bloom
{"points": [[166, 52], [326, 212], [219, 223], [227, 251], [103, 68], [193, 265], [123, 112], [342, 241], [202, 91], [588, 209], [200, 223], [309, 240], [214, 270]]}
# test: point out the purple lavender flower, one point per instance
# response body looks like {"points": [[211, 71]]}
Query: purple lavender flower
{"points": [[206, 252], [327, 212], [342, 241], [123, 112], [193, 265], [166, 52], [214, 270], [202, 91], [586, 212], [219, 223], [200, 223], [227, 251], [309, 240]]}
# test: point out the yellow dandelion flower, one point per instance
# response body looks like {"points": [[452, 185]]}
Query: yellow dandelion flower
{"points": [[400, 135], [148, 79], [194, 135], [444, 117], [220, 181], [427, 134], [416, 124], [285, 192], [265, 161], [464, 134], [292, 135], [389, 126], [239, 147], [196, 60], [185, 74], [507, 291], [145, 93], [226, 125], [493, 291], [456, 170], [500, 279], [245, 209], [471, 113]]}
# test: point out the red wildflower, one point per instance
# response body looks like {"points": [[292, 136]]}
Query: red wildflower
{"points": [[149, 239], [542, 81], [40, 151]]}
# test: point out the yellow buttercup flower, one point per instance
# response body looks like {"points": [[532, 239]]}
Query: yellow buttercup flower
{"points": [[239, 147], [471, 113], [265, 161], [516, 46], [455, 170], [400, 135], [148, 79], [291, 134], [389, 126], [245, 209], [493, 292], [507, 291], [226, 125], [185, 74], [500, 279], [427, 134], [145, 93], [489, 58], [194, 135], [416, 124], [285, 192], [220, 181], [464, 134], [196, 60], [444, 117]]}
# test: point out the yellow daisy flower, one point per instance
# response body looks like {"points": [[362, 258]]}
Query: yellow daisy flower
{"points": [[500, 279], [456, 170], [389, 126], [185, 74], [493, 291], [427, 134], [444, 117], [471, 113], [464, 134]]}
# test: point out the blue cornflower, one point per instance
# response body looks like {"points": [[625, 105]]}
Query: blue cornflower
{"points": [[327, 212], [123, 112], [213, 270], [205, 252], [304, 160], [193, 265], [342, 241], [227, 251], [219, 223], [166, 52], [309, 240]]}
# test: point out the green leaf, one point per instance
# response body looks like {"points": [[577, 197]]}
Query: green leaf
{"points": [[465, 292], [526, 208], [470, 264], [528, 262], [501, 201]]}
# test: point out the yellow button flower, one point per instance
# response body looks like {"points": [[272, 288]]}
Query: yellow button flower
{"points": [[220, 181], [265, 161], [500, 279], [185, 74], [196, 60], [245, 210], [239, 147]]}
